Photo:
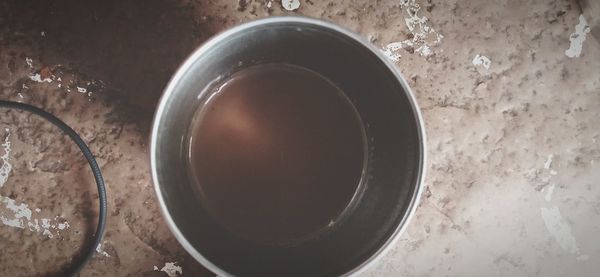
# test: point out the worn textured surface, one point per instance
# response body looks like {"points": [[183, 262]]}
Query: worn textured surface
{"points": [[512, 122]]}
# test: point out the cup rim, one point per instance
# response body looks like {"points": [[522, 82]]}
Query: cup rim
{"points": [[215, 40]]}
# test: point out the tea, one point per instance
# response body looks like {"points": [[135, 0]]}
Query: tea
{"points": [[277, 152]]}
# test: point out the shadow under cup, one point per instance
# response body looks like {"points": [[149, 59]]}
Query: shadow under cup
{"points": [[394, 137]]}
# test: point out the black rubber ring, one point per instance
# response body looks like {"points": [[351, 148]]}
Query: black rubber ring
{"points": [[88, 253]]}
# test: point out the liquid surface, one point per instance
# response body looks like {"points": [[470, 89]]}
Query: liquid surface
{"points": [[277, 153]]}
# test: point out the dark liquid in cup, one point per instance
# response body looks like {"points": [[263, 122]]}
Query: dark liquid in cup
{"points": [[277, 152]]}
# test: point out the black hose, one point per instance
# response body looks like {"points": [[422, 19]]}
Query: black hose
{"points": [[88, 253]]}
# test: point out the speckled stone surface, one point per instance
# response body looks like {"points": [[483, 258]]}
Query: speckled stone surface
{"points": [[510, 98]]}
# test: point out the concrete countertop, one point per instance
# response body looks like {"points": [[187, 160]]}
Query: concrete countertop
{"points": [[509, 90]]}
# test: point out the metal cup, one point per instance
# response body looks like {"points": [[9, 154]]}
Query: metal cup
{"points": [[394, 168]]}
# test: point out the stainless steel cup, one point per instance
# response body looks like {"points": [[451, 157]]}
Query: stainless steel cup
{"points": [[395, 162]]}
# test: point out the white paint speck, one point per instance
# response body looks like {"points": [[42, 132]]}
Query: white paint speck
{"points": [[424, 50], [100, 250], [269, 4], [481, 60], [413, 21], [34, 225], [47, 233], [43, 33], [548, 162], [391, 51], [19, 215], [424, 36], [290, 5], [62, 226], [38, 78], [549, 190], [29, 62], [155, 268], [576, 39], [45, 223], [559, 229], [21, 210], [82, 90], [13, 222], [171, 269], [6, 167]]}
